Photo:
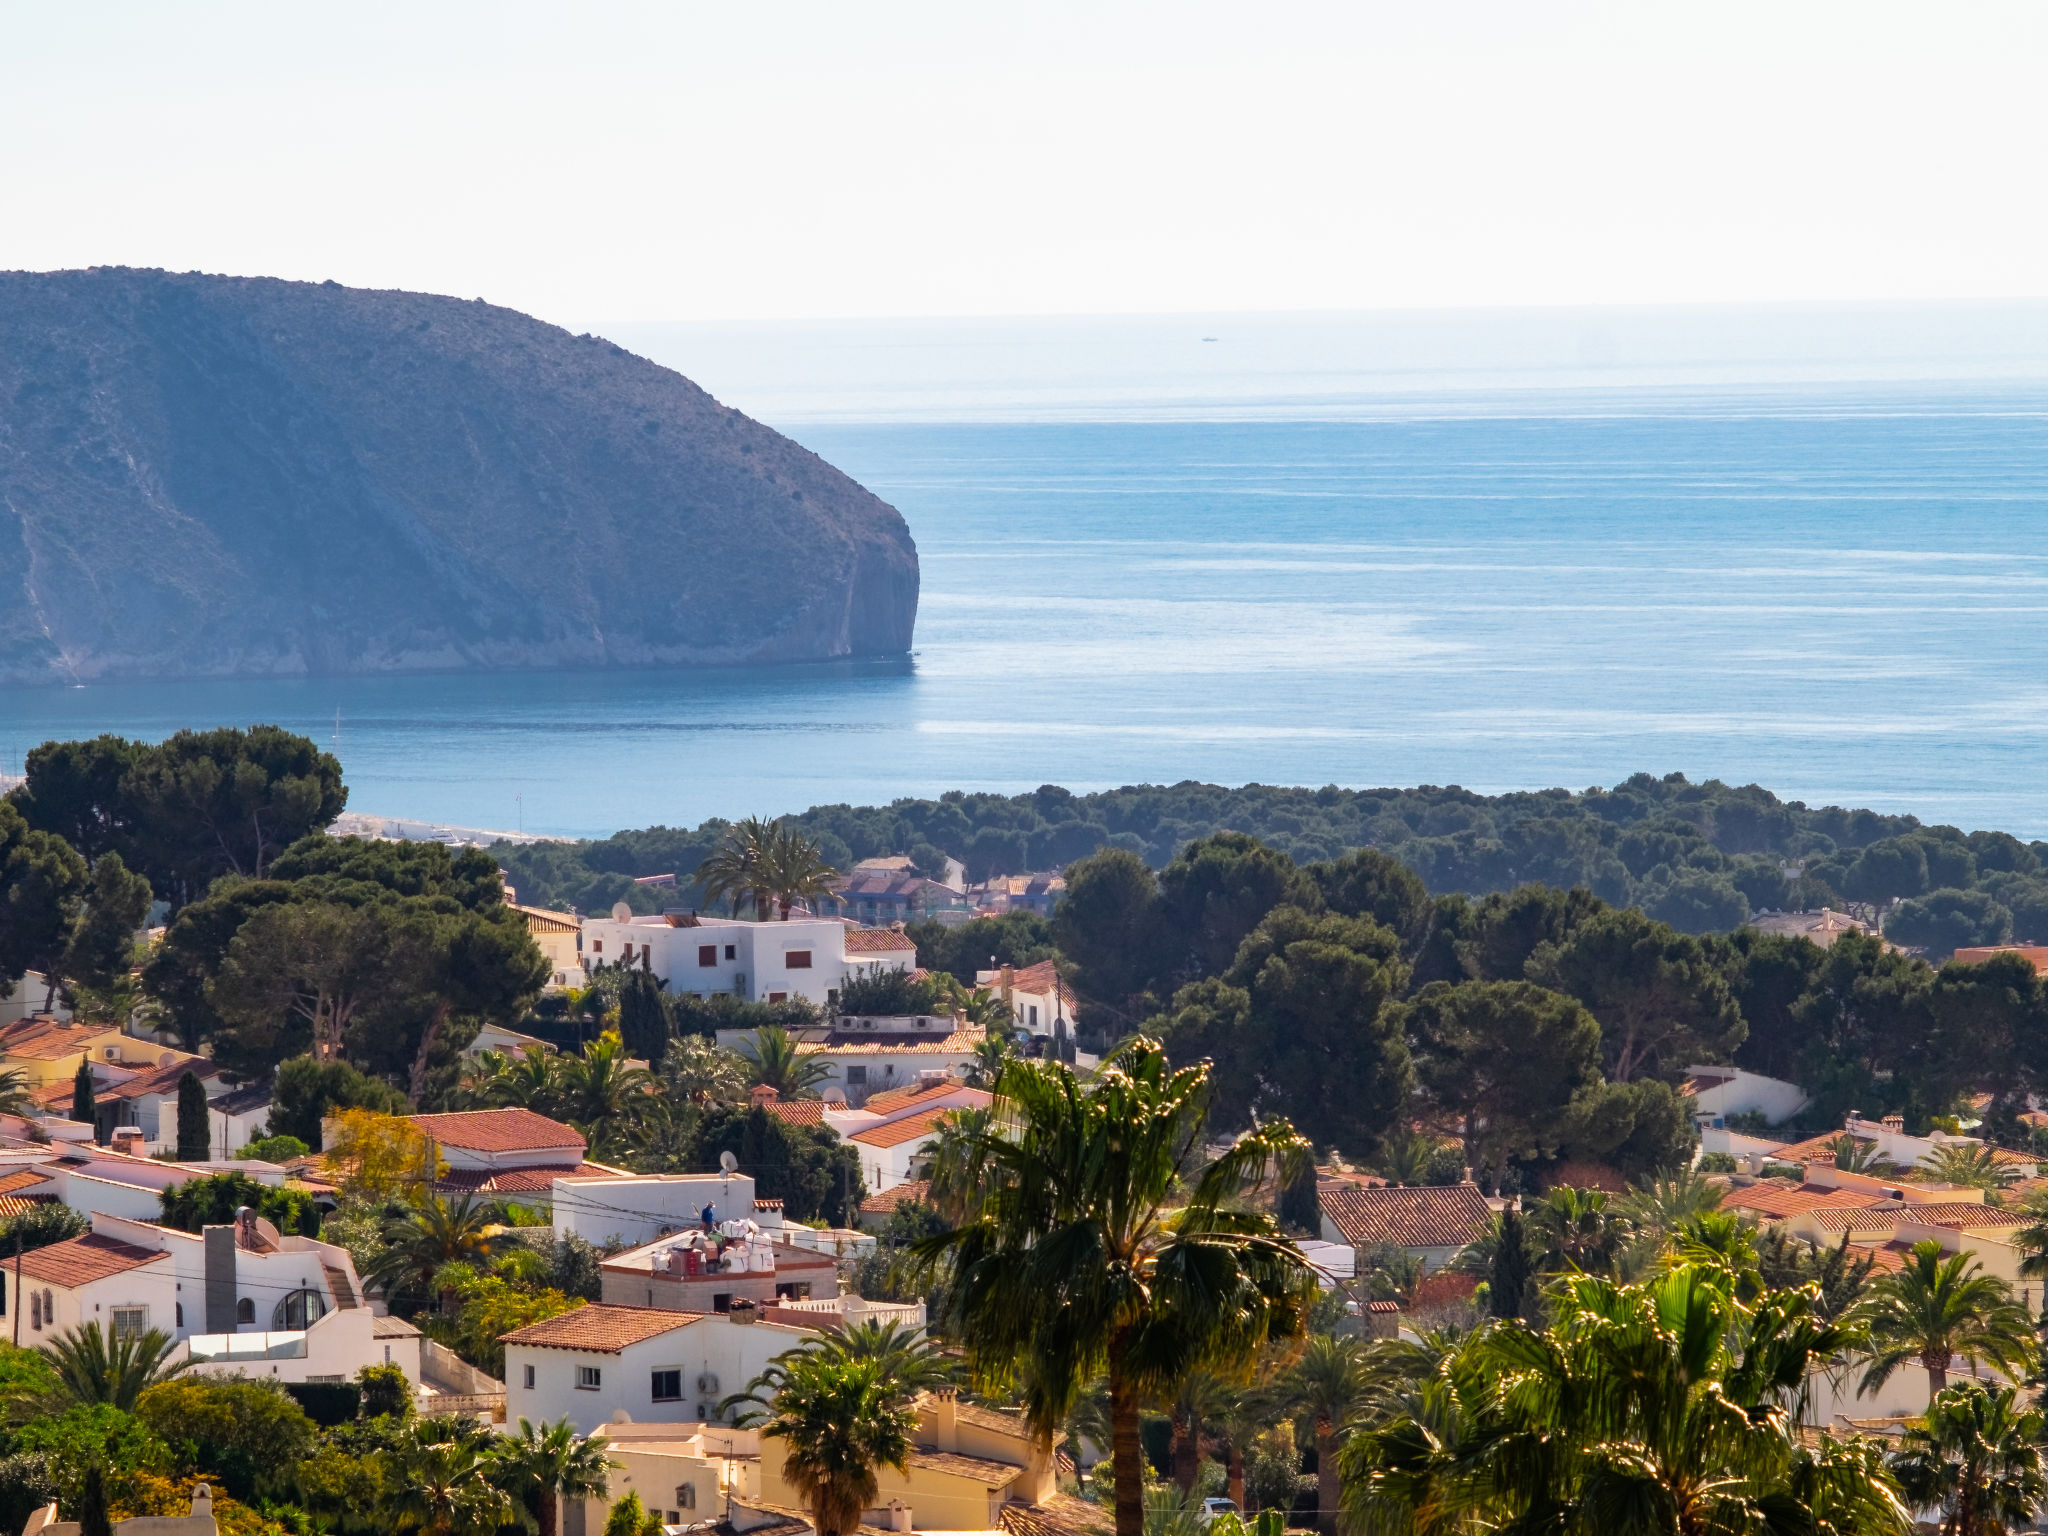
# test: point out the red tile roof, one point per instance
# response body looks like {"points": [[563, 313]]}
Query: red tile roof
{"points": [[600, 1327], [22, 1179], [1447, 1216], [992, 1474], [43, 1038], [498, 1130], [1771, 1198], [1037, 980], [81, 1260], [876, 941], [887, 1201], [859, 1043], [901, 1098], [798, 1111], [1444, 1288], [532, 1180], [918, 1127]]}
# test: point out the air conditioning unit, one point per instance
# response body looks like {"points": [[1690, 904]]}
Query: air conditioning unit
{"points": [[706, 1414], [708, 1384]]}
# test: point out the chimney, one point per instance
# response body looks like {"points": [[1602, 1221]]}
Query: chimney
{"points": [[946, 1419], [128, 1140], [899, 1515], [1895, 1124], [764, 1094]]}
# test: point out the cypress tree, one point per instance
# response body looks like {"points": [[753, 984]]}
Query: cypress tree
{"points": [[1509, 1285], [93, 1519], [643, 1019], [195, 1130], [82, 1106], [1301, 1209]]}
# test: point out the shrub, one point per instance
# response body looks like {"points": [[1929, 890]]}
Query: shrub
{"points": [[890, 993], [213, 1201], [274, 1149]]}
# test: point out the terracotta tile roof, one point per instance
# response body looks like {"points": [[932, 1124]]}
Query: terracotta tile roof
{"points": [[1964, 1213], [1886, 1258], [81, 1260], [1880, 1218], [798, 1111], [1815, 1149], [918, 1127], [1448, 1216], [767, 1205], [991, 1474], [1443, 1289], [849, 1043], [21, 1179], [21, 1205], [1060, 1515], [600, 1327], [538, 1179], [1037, 980], [876, 941], [541, 920], [162, 1080], [497, 1130], [392, 1328], [901, 1098], [45, 1039], [1000, 1420], [889, 1199], [1772, 1198]]}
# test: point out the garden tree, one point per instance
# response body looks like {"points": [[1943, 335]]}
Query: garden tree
{"points": [[1652, 1407], [1109, 925], [1300, 1025], [355, 868], [1328, 1382], [273, 1149], [1980, 1027], [772, 1062], [694, 1071], [457, 965], [521, 1079], [985, 944], [1574, 1231], [442, 1487], [1100, 1241], [195, 1125], [1640, 1129], [597, 1087], [479, 1309], [796, 870], [1502, 1059], [1886, 872], [226, 1430], [385, 1390], [1861, 1018], [306, 1091], [38, 1227], [1947, 919], [1767, 975], [1495, 938], [1368, 883], [806, 1167], [1840, 1279], [740, 869], [42, 891], [84, 1106], [1510, 1274], [381, 1156], [838, 1425], [184, 962], [211, 803], [1661, 1000], [1975, 1456], [430, 1233], [1693, 901], [212, 1202], [77, 790], [1300, 1207], [93, 1367], [1936, 1308], [116, 903], [295, 975], [910, 1365], [643, 1016], [1214, 893]]}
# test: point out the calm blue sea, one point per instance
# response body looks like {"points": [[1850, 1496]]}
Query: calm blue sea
{"points": [[1840, 595]]}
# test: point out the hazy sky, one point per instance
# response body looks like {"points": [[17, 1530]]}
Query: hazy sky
{"points": [[595, 162]]}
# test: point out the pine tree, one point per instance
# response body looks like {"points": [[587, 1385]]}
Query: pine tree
{"points": [[195, 1130], [82, 1096], [1509, 1285]]}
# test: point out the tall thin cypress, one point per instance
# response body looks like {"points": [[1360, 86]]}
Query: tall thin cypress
{"points": [[82, 1097], [195, 1130], [1509, 1287]]}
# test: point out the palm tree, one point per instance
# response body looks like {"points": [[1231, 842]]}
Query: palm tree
{"points": [[14, 1092], [986, 1062], [442, 1487], [910, 1363], [797, 870], [1968, 1164], [597, 1088], [1657, 1407], [1200, 1396], [92, 1368], [1657, 1210], [1936, 1308], [432, 1232], [1329, 1381], [524, 1079], [1853, 1156], [773, 1062], [540, 1466], [739, 867], [1405, 1157], [1977, 1454], [839, 1424], [955, 1156], [1097, 1240], [698, 1072], [1572, 1229]]}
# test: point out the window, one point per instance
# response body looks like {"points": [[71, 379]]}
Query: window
{"points": [[298, 1310], [721, 1301], [797, 960], [35, 1310], [130, 1322], [588, 1378], [732, 951], [245, 1311], [597, 946], [178, 1313], [50, 1308], [529, 1378], [1033, 1012], [668, 1386], [707, 954], [778, 997], [686, 1495], [856, 1077]]}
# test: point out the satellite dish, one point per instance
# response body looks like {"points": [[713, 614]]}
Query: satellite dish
{"points": [[728, 1162], [621, 913]]}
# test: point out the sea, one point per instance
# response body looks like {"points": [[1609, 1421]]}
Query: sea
{"points": [[1805, 548]]}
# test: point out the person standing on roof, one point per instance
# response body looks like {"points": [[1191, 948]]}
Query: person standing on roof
{"points": [[709, 1216]]}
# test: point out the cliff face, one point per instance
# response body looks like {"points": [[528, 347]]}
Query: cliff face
{"points": [[207, 476]]}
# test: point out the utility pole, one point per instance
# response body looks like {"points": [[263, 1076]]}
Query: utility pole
{"points": [[17, 1288]]}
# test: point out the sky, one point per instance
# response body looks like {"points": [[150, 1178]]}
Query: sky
{"points": [[809, 158]]}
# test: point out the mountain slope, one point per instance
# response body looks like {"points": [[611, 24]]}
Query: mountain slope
{"points": [[209, 476]]}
